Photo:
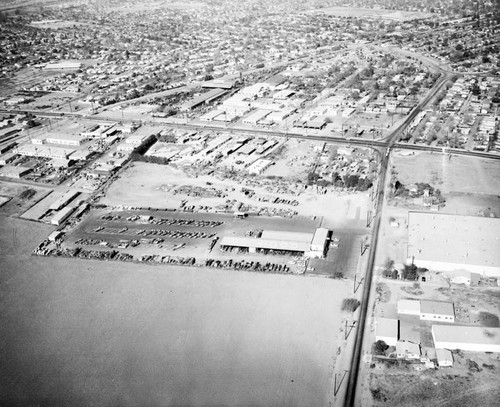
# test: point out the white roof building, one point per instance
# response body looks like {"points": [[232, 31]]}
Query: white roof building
{"points": [[387, 330], [444, 358], [409, 307], [471, 338], [407, 350], [444, 242], [437, 311]]}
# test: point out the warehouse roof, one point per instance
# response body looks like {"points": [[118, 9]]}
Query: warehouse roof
{"points": [[288, 236], [466, 334], [260, 243], [454, 238], [436, 308]]}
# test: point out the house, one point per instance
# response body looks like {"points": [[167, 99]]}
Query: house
{"points": [[464, 277], [407, 350], [444, 358], [387, 330]]}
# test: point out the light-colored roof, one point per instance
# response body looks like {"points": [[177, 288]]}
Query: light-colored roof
{"points": [[387, 327], [444, 355], [265, 243], [409, 307], [407, 347], [436, 307], [456, 239], [319, 237], [466, 334], [288, 236]]}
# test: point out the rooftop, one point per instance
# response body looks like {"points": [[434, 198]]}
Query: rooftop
{"points": [[387, 327], [466, 334], [272, 244], [454, 238], [436, 307]]}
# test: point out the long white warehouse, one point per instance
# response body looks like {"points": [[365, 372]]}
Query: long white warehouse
{"points": [[471, 338], [443, 242]]}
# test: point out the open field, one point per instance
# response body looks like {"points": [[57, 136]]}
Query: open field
{"points": [[21, 197], [458, 174], [396, 15], [82, 333], [400, 386]]}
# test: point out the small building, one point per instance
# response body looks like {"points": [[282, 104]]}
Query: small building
{"points": [[471, 338], [409, 307], [259, 166], [444, 358], [464, 277], [437, 311], [318, 243], [13, 171], [7, 158], [387, 330], [55, 235], [407, 350]]}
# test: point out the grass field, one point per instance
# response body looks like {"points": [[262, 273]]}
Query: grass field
{"points": [[82, 333]]}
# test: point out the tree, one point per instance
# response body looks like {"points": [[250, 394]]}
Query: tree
{"points": [[380, 347]]}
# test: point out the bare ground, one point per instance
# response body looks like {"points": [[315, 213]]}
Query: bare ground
{"points": [[81, 333]]}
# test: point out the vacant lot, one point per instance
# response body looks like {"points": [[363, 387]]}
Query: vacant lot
{"points": [[163, 186], [403, 386], [456, 174], [19, 197], [85, 333]]}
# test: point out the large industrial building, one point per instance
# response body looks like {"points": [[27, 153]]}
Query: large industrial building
{"points": [[308, 244], [471, 338], [448, 243]]}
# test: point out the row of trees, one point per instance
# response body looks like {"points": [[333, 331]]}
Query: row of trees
{"points": [[409, 271]]}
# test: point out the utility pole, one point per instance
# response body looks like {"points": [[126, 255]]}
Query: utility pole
{"points": [[340, 380], [357, 284]]}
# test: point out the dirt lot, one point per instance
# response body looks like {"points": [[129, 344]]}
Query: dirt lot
{"points": [[21, 197], [460, 174], [81, 332], [160, 186]]}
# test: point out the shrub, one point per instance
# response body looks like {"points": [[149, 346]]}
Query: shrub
{"points": [[350, 304], [488, 319]]}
